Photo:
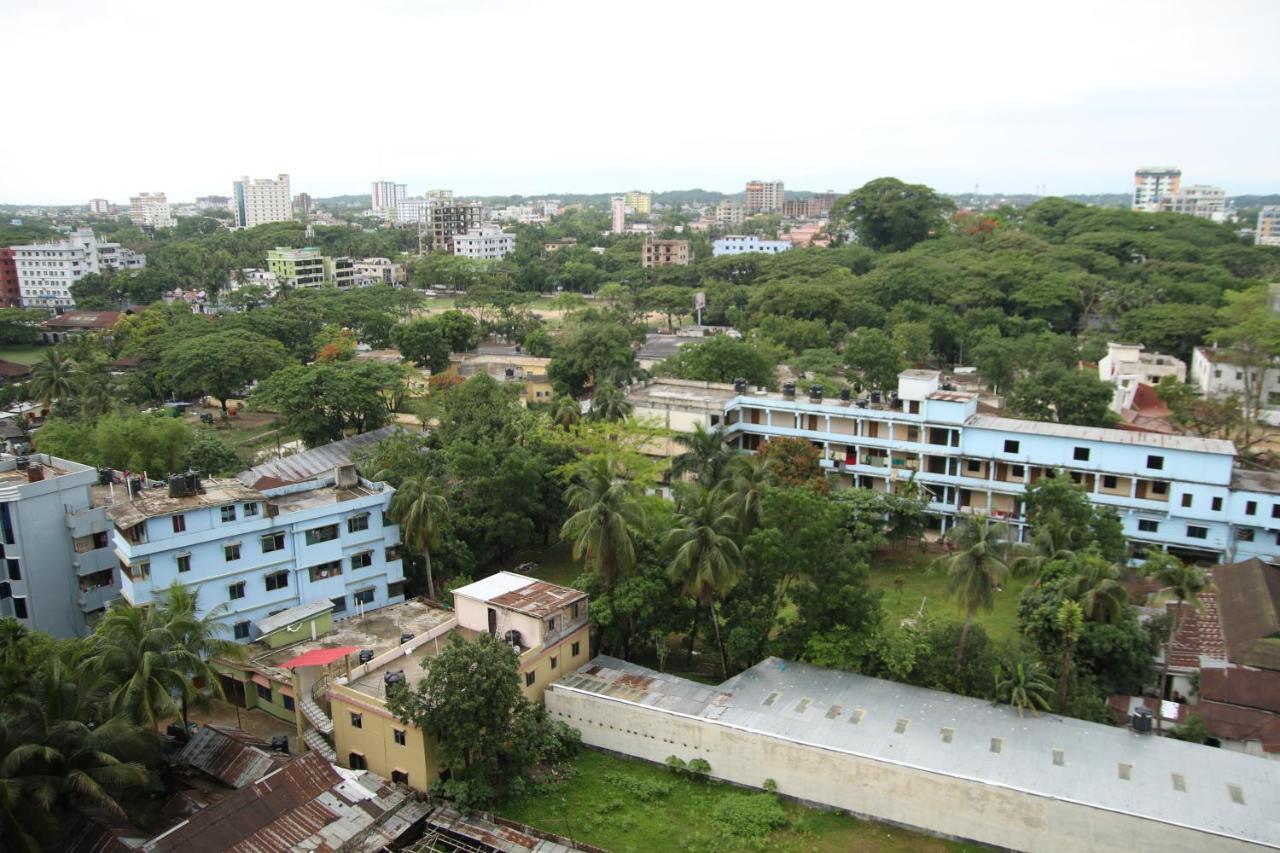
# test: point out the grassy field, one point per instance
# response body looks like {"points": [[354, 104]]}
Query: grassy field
{"points": [[22, 355], [555, 564], [626, 805], [930, 588]]}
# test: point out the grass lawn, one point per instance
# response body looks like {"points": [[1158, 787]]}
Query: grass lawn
{"points": [[931, 587], [627, 805], [22, 354], [555, 564]]}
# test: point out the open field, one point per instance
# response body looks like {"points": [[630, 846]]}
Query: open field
{"points": [[627, 805], [22, 354]]}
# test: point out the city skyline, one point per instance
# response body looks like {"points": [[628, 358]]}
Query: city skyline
{"points": [[1017, 101]]}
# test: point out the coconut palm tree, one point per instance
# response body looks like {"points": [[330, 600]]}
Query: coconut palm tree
{"points": [[609, 403], [1070, 621], [53, 377], [749, 478], [606, 521], [706, 456], [419, 509], [1096, 586], [705, 560], [1024, 685], [131, 648], [1182, 583], [975, 570], [566, 412], [1050, 540], [197, 639]]}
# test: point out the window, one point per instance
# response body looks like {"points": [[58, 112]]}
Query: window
{"points": [[573, 610], [400, 776], [288, 702], [20, 607], [1146, 525], [356, 761], [1275, 510], [273, 542], [1080, 454], [179, 523], [1186, 501], [1159, 487], [15, 571], [1251, 508], [576, 648], [235, 590], [1245, 534], [364, 596], [1196, 532], [228, 512], [231, 553], [264, 692], [1018, 471], [1156, 462], [1216, 505], [1010, 446], [363, 560], [972, 465], [339, 604], [398, 734], [555, 661], [250, 510], [357, 720], [528, 679], [326, 570], [184, 562], [356, 523], [316, 535], [551, 625], [277, 580], [1108, 481]]}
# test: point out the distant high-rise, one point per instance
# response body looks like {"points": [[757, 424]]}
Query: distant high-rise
{"points": [[99, 206], [1268, 231], [764, 196], [46, 271], [1197, 200], [387, 196], [150, 210], [1152, 183], [261, 201], [449, 219], [618, 205], [640, 203]]}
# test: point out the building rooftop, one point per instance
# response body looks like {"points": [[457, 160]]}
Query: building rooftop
{"points": [[323, 493], [1249, 603], [311, 463], [521, 594], [1226, 793], [1190, 443], [681, 392], [294, 614], [83, 320], [155, 502], [1248, 480], [232, 756]]}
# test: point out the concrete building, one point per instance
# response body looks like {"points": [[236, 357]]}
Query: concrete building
{"points": [[1126, 365], [59, 573], [387, 196], [1267, 232], [413, 210], [46, 271], [739, 244], [666, 253], [1217, 377], [260, 201], [618, 211], [297, 267], [99, 206], [449, 219], [1152, 183], [151, 210], [949, 765], [729, 214], [528, 370], [487, 243], [814, 207], [10, 288], [764, 197], [1196, 200], [340, 272], [213, 202], [379, 271], [640, 203], [261, 552]]}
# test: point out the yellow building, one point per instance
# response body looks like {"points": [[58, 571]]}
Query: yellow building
{"points": [[640, 203], [529, 370]]}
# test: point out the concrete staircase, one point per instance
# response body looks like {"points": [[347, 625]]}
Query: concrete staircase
{"points": [[317, 717], [317, 743]]}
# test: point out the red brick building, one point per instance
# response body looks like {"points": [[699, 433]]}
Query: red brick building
{"points": [[10, 294]]}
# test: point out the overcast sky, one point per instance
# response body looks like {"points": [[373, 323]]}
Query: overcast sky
{"points": [[487, 97]]}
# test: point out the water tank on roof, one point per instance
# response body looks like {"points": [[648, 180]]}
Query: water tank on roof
{"points": [[365, 655], [512, 637], [846, 394], [280, 743], [177, 485], [815, 392], [404, 638], [788, 389], [740, 385], [1141, 721], [193, 483], [23, 462], [396, 677]]}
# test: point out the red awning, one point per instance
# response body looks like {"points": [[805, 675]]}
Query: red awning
{"points": [[319, 657]]}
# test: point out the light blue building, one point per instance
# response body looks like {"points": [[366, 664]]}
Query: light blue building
{"points": [[259, 552], [741, 244]]}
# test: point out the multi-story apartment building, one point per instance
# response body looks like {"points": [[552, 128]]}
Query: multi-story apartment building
{"points": [[729, 214], [46, 271], [411, 210], [764, 196], [1267, 232], [1180, 493], [340, 272], [1126, 365], [99, 206], [379, 271], [297, 267], [59, 573], [1152, 183], [1197, 200], [640, 203], [387, 196], [666, 253], [213, 202], [259, 552], [817, 205], [10, 290], [488, 243], [262, 200], [449, 219], [740, 244], [618, 214], [151, 210], [1213, 372]]}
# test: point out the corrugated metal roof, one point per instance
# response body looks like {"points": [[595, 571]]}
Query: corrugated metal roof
{"points": [[232, 756], [312, 463], [267, 624], [1114, 436]]}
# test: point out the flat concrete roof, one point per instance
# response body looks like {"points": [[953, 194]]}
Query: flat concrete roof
{"points": [[1116, 436], [155, 502]]}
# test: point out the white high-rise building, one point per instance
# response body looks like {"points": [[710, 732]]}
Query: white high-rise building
{"points": [[1152, 183], [1197, 200], [488, 243], [46, 271], [411, 210], [1268, 231], [764, 196], [619, 206], [151, 210], [99, 206], [261, 201], [387, 196]]}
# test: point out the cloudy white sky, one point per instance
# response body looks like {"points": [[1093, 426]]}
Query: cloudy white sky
{"points": [[499, 96]]}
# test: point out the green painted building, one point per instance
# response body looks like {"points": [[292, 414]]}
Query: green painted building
{"points": [[297, 267]]}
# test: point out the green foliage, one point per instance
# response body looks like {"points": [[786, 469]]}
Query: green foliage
{"points": [[423, 342], [723, 359], [156, 444], [321, 402], [211, 456], [886, 214], [749, 816], [1193, 730], [876, 357], [1063, 396], [18, 325], [641, 789], [221, 364], [590, 352]]}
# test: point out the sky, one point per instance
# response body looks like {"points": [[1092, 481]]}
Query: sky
{"points": [[487, 97]]}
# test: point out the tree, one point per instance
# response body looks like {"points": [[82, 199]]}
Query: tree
{"points": [[796, 462], [1251, 333], [705, 559], [129, 442], [606, 520], [423, 342], [750, 477], [705, 455], [975, 570], [419, 508], [134, 648], [667, 299], [1063, 396], [590, 352], [53, 377], [1096, 587], [889, 215], [210, 455], [221, 364], [461, 331], [196, 639], [1181, 583], [20, 325], [565, 412], [320, 402], [1023, 685], [609, 403], [874, 355], [720, 358], [1070, 621]]}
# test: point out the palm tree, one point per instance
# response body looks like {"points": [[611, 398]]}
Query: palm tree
{"points": [[751, 476], [566, 412], [706, 455], [1180, 582], [609, 403], [705, 559], [132, 648], [1096, 586], [419, 508], [1023, 685], [53, 377], [975, 570], [1070, 621], [606, 519], [196, 639], [1051, 540]]}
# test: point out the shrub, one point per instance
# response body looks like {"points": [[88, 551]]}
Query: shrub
{"points": [[770, 786], [749, 815], [699, 767], [640, 788], [676, 764]]}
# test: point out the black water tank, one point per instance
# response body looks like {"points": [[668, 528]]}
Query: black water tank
{"points": [[193, 483], [510, 373], [365, 655], [875, 396], [857, 387], [177, 485], [861, 404], [105, 476], [740, 385], [404, 638], [788, 389], [815, 392], [512, 637], [846, 394], [280, 743], [1141, 721], [23, 463], [397, 677]]}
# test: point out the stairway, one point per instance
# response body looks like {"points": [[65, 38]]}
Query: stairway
{"points": [[316, 742], [317, 716]]}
